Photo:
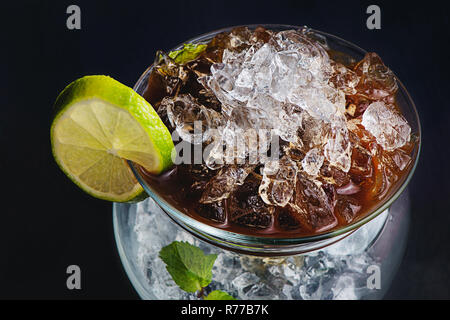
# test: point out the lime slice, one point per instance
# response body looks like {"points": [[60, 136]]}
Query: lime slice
{"points": [[99, 124]]}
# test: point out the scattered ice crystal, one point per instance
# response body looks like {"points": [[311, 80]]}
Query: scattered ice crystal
{"points": [[244, 282], [344, 288]]}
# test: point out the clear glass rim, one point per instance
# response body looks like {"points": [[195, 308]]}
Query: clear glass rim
{"points": [[218, 234]]}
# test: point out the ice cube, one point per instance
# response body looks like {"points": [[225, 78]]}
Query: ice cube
{"points": [[347, 208], [213, 211], [261, 57], [313, 55], [221, 83], [344, 79], [246, 206], [338, 148], [311, 206], [244, 282], [313, 132], [161, 84], [226, 268], [390, 129], [191, 120], [376, 80], [224, 182], [344, 289], [194, 178], [333, 175], [240, 38], [362, 164], [262, 291], [400, 158], [286, 220], [278, 178], [288, 122], [312, 162]]}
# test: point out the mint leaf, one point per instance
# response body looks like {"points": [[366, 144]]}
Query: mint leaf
{"points": [[189, 52], [219, 295], [189, 267]]}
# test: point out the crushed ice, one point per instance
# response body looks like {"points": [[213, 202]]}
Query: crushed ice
{"points": [[335, 272], [273, 85]]}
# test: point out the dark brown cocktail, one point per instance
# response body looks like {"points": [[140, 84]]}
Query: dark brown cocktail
{"points": [[295, 139]]}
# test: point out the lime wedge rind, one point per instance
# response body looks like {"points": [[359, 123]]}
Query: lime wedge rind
{"points": [[96, 119]]}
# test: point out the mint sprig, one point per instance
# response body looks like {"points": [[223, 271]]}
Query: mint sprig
{"points": [[189, 52], [191, 268], [219, 295]]}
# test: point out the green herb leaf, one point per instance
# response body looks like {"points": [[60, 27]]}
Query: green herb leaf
{"points": [[189, 267], [219, 295], [189, 52]]}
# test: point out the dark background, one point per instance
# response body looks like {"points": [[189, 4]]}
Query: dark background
{"points": [[47, 223]]}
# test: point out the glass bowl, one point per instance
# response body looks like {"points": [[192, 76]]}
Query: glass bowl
{"points": [[266, 246]]}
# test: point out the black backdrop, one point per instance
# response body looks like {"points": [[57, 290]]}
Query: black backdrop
{"points": [[48, 224]]}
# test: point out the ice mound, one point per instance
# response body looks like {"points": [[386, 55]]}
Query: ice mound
{"points": [[339, 137], [273, 86]]}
